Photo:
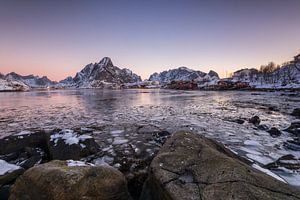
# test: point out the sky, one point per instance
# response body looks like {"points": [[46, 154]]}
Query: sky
{"points": [[58, 38]]}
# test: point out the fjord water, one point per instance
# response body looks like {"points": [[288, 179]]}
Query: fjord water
{"points": [[210, 113]]}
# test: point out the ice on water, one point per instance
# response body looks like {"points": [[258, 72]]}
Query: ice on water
{"points": [[203, 112]]}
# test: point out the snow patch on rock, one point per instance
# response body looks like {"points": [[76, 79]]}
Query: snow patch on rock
{"points": [[69, 137], [73, 163]]}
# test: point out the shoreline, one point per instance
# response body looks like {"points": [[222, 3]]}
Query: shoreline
{"points": [[176, 151], [221, 90]]}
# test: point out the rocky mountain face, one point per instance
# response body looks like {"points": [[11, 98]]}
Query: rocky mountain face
{"points": [[6, 85], [183, 74], [30, 80], [100, 74]]}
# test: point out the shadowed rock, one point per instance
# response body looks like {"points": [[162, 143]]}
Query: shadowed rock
{"points": [[190, 166], [67, 144], [296, 112], [254, 120]]}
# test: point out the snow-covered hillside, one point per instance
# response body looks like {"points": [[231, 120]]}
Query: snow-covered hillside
{"points": [[287, 76], [183, 74], [12, 86], [30, 80]]}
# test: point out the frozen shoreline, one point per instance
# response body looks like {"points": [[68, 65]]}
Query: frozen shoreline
{"points": [[115, 119]]}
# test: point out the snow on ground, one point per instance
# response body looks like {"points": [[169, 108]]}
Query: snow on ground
{"points": [[69, 137], [5, 167], [73, 163]]}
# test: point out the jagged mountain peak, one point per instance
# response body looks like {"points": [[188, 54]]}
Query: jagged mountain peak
{"points": [[94, 75], [106, 61], [212, 73]]}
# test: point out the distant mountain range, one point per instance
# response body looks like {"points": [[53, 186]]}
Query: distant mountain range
{"points": [[183, 74], [105, 75], [30, 80]]}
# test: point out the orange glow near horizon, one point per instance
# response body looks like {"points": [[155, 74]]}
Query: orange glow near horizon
{"points": [[57, 73]]}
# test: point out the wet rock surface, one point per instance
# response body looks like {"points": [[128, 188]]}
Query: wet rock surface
{"points": [[296, 112], [67, 144], [22, 140], [62, 180], [190, 166], [254, 120], [274, 132], [288, 161], [294, 128]]}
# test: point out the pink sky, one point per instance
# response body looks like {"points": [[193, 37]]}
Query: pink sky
{"points": [[58, 38]]}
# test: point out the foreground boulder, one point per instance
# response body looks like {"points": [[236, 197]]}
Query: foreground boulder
{"points": [[190, 166], [70, 180]]}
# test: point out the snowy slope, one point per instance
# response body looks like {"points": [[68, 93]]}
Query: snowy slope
{"points": [[6, 85], [30, 80], [288, 76]]}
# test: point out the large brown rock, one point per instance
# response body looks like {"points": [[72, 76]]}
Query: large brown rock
{"points": [[57, 180], [190, 166]]}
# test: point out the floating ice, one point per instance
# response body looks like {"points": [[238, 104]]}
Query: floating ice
{"points": [[105, 160], [251, 151], [119, 141], [116, 132], [23, 133], [252, 143], [6, 167], [259, 158], [268, 172], [72, 163], [69, 137]]}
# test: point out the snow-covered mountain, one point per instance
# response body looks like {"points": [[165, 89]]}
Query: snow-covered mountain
{"points": [[30, 80], [245, 75], [183, 74], [6, 85], [99, 74]]}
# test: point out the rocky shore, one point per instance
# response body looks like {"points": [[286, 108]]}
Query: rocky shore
{"points": [[70, 164]]}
